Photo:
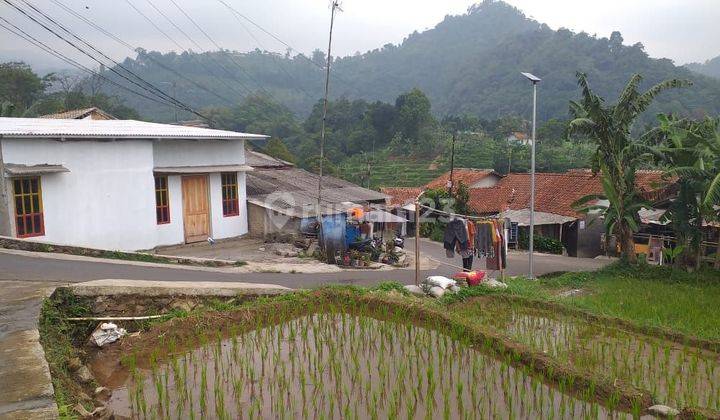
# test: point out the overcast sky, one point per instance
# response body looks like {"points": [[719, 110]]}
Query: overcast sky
{"points": [[683, 30]]}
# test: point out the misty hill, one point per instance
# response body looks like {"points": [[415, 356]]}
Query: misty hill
{"points": [[467, 64], [709, 68]]}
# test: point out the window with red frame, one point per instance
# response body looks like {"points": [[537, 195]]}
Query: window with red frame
{"points": [[29, 219], [231, 206], [162, 204]]}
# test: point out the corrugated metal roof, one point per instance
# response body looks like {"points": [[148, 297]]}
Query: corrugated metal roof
{"points": [[261, 160], [294, 191], [111, 129], [202, 169]]}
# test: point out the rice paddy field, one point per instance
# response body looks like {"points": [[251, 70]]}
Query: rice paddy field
{"points": [[677, 374], [357, 353], [337, 365]]}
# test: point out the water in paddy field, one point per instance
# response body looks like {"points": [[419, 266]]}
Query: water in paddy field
{"points": [[342, 366], [676, 374]]}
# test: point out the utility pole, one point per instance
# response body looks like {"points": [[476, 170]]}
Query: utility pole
{"points": [[335, 6], [4, 203], [452, 163], [535, 80], [174, 86]]}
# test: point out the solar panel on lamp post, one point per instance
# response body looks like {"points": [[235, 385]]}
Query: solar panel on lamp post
{"points": [[535, 80]]}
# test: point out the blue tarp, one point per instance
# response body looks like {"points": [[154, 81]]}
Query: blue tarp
{"points": [[352, 233], [333, 235]]}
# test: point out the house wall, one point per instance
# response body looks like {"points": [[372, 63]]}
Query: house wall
{"points": [[173, 233], [171, 153], [227, 227], [589, 244], [261, 222], [107, 199]]}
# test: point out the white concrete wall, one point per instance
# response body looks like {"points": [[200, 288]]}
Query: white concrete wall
{"points": [[107, 200], [221, 226], [173, 233], [170, 153]]}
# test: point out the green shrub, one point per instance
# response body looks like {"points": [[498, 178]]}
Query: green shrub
{"points": [[541, 244]]}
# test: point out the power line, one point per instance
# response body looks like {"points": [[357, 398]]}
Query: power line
{"points": [[275, 37], [29, 38], [298, 87], [164, 97], [192, 41], [222, 51], [149, 85], [199, 62], [135, 49]]}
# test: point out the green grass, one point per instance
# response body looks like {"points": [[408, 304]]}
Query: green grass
{"points": [[647, 295]]}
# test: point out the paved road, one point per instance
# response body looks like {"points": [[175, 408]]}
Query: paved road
{"points": [[30, 268]]}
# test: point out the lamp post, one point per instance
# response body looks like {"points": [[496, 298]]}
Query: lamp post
{"points": [[534, 79]]}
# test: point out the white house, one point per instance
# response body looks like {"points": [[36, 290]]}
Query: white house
{"points": [[123, 184]]}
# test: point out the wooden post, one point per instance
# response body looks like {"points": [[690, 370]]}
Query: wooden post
{"points": [[417, 243]]}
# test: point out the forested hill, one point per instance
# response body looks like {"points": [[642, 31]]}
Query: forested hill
{"points": [[709, 68], [466, 64]]}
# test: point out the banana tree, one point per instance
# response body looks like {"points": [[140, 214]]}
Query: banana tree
{"points": [[691, 152], [618, 154]]}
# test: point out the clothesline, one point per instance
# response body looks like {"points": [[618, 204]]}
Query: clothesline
{"points": [[462, 216], [454, 266]]}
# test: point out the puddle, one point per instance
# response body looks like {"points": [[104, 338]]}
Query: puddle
{"points": [[332, 365], [677, 375]]}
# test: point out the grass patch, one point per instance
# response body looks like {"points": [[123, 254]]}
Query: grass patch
{"points": [[56, 337], [650, 296]]}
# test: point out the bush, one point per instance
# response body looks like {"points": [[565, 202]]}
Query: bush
{"points": [[541, 244], [434, 231]]}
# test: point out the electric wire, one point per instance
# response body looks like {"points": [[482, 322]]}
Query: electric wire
{"points": [[135, 49], [149, 85], [194, 58], [34, 41], [164, 97], [192, 41], [222, 51]]}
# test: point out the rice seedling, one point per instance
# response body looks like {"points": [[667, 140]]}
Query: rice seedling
{"points": [[335, 364], [678, 375]]}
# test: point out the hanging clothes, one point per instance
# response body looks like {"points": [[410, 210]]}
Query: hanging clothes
{"points": [[455, 235], [471, 234], [483, 239], [496, 258], [467, 263]]}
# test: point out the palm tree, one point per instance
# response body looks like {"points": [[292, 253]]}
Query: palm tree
{"points": [[618, 153]]}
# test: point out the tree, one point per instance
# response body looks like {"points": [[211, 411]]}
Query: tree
{"points": [[691, 151], [20, 86], [618, 154], [277, 149]]}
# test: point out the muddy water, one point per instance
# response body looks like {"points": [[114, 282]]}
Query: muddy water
{"points": [[677, 375], [340, 366]]}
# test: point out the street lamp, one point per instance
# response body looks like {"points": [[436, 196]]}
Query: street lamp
{"points": [[534, 79]]}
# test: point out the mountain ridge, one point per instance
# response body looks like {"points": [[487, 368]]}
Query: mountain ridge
{"points": [[467, 63]]}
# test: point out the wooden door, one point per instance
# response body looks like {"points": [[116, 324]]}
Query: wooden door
{"points": [[196, 210]]}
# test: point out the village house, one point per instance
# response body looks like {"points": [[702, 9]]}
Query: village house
{"points": [[92, 113], [282, 198], [555, 217], [122, 184]]}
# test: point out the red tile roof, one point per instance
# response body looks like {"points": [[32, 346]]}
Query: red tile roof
{"points": [[464, 175], [399, 196], [554, 192]]}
